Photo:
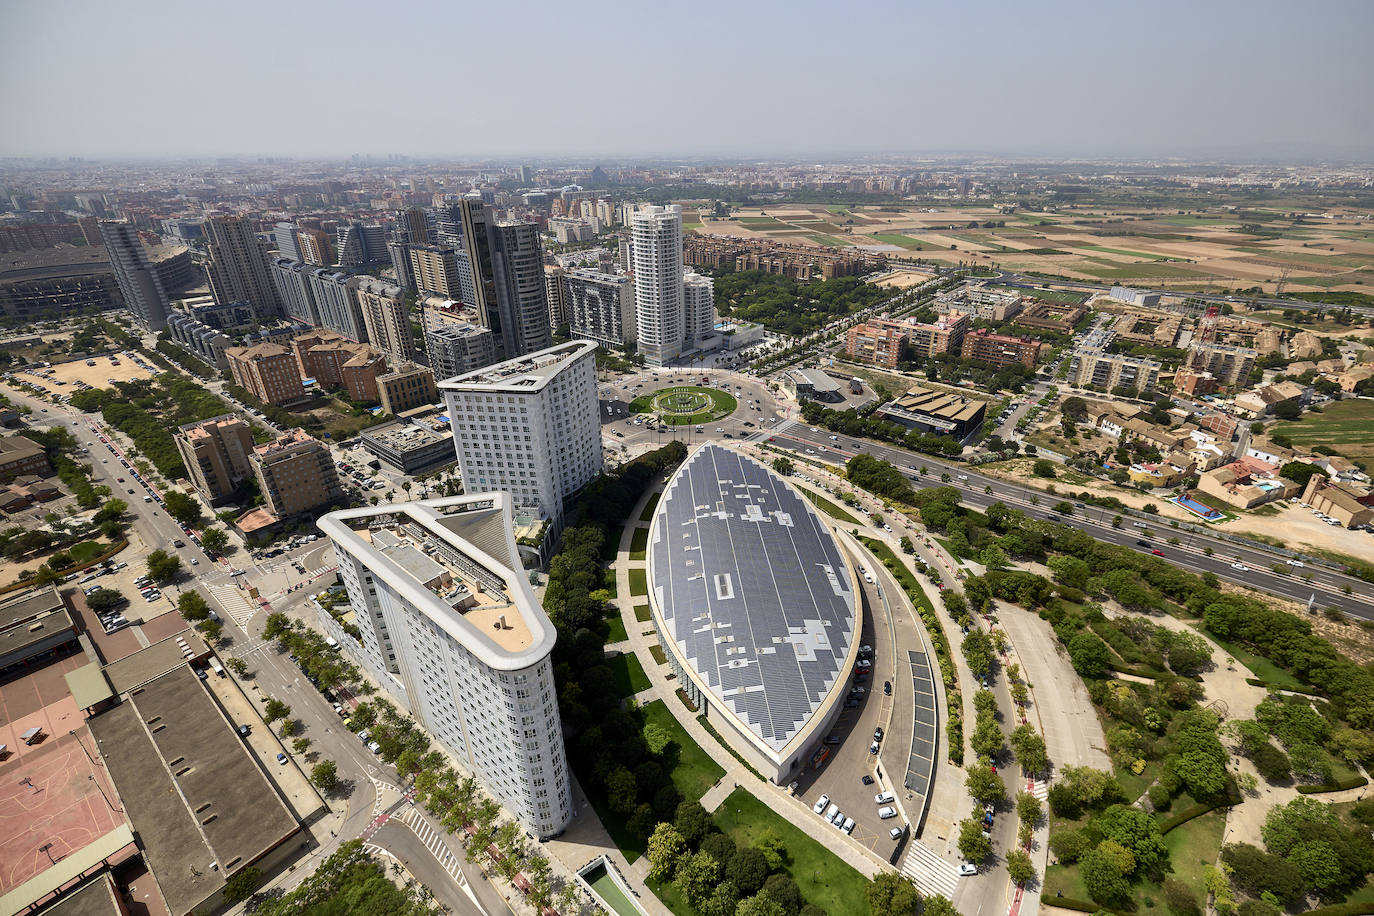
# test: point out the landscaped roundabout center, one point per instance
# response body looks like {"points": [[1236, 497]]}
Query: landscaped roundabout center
{"points": [[684, 404]]}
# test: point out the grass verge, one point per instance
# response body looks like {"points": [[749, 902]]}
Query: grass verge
{"points": [[829, 508], [639, 543], [630, 678], [639, 582]]}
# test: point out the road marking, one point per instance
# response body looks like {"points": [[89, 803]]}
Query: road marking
{"points": [[235, 603], [434, 841], [932, 874]]}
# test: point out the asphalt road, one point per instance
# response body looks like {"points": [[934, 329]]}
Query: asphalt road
{"points": [[1326, 587]]}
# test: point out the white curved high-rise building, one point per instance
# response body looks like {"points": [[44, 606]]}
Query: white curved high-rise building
{"points": [[656, 247], [446, 620]]}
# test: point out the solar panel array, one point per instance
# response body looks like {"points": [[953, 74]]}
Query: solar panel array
{"points": [[753, 590], [922, 763]]}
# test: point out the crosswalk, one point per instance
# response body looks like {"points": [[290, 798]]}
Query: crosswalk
{"points": [[435, 842], [234, 601], [1041, 790], [932, 874]]}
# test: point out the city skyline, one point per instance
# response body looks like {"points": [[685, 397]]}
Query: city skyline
{"points": [[1070, 79]]}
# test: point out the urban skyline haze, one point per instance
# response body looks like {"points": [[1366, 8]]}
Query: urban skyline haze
{"points": [[1258, 80]]}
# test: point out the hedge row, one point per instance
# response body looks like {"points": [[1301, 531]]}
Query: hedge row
{"points": [[1270, 685], [1179, 818], [954, 728], [1350, 782], [726, 744]]}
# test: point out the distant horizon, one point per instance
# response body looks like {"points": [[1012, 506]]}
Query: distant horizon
{"points": [[1068, 79]]}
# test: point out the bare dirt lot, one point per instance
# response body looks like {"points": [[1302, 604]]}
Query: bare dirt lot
{"points": [[64, 376]]}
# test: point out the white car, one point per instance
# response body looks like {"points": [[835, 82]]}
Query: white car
{"points": [[848, 825], [838, 819], [831, 812], [966, 869], [884, 798], [819, 806], [1240, 566], [1298, 563], [887, 812]]}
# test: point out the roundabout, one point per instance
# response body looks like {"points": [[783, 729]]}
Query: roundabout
{"points": [[684, 405]]}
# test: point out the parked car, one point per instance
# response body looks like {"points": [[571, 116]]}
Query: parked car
{"points": [[966, 869], [884, 798], [819, 806], [887, 812]]}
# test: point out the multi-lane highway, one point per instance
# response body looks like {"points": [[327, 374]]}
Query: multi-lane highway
{"points": [[1326, 588]]}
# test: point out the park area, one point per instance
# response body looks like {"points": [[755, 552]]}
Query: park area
{"points": [[684, 405], [1345, 426]]}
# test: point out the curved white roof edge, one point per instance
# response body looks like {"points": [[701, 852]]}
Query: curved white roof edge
{"points": [[426, 513], [475, 379]]}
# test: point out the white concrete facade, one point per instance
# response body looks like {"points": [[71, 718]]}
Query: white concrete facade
{"points": [[656, 251], [448, 622], [530, 426]]}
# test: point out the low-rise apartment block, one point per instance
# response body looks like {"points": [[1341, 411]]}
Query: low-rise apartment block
{"points": [[297, 475], [406, 389], [1096, 367], [944, 336], [981, 301], [407, 447], [1349, 507], [880, 341], [1050, 316], [1246, 482], [1230, 365], [20, 457], [215, 452], [269, 371], [794, 261], [1000, 349], [337, 362]]}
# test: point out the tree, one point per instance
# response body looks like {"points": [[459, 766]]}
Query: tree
{"points": [[162, 566], [241, 884], [1136, 832], [893, 895], [276, 624], [211, 629], [1028, 808], [783, 466], [1069, 846], [325, 775], [1029, 748], [693, 822], [112, 511], [774, 852], [214, 539], [47, 575], [748, 870], [1102, 874], [1075, 407], [274, 710], [1019, 867], [938, 905], [656, 737], [1181, 899], [237, 665], [621, 791], [666, 849], [104, 601], [977, 649], [696, 877], [783, 891], [985, 786], [973, 846], [1043, 467], [193, 606], [760, 905], [1090, 656], [183, 508]]}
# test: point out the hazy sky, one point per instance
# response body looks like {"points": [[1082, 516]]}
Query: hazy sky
{"points": [[535, 78]]}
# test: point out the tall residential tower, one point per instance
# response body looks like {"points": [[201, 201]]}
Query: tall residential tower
{"points": [[135, 274]]}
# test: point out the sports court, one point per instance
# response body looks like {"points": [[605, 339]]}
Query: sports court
{"points": [[39, 699], [53, 802]]}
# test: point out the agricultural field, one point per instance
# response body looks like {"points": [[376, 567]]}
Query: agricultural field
{"points": [[1345, 426], [1206, 250]]}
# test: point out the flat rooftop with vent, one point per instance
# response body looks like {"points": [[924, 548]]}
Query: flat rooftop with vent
{"points": [[525, 373], [423, 551]]}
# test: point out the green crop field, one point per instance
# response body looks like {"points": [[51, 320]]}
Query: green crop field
{"points": [[831, 240], [1344, 426], [1125, 253], [904, 241], [762, 222]]}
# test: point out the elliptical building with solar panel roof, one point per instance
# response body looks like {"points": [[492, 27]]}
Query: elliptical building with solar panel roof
{"points": [[756, 606]]}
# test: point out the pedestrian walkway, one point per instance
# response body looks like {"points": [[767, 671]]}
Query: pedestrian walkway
{"points": [[932, 874], [434, 841], [717, 794]]}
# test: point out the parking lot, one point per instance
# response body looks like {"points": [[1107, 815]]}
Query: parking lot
{"points": [[841, 777]]}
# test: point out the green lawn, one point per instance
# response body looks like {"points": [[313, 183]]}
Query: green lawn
{"points": [[639, 543], [657, 652], [1191, 846], [649, 507], [829, 508], [1344, 426], [639, 582], [833, 241], [694, 771], [642, 613], [630, 678], [1104, 269], [617, 633], [1260, 667], [823, 878], [712, 403]]}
